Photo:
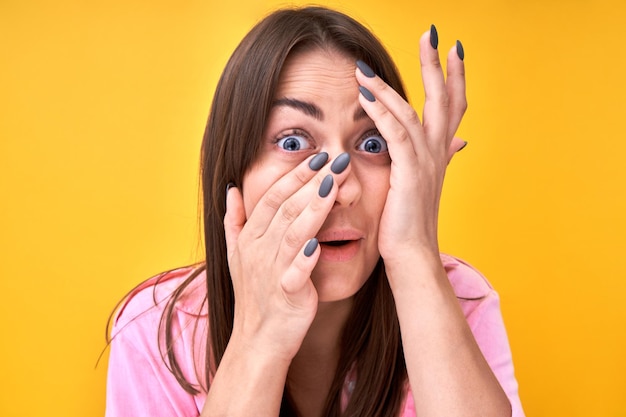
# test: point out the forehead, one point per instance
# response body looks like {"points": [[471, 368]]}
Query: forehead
{"points": [[318, 73]]}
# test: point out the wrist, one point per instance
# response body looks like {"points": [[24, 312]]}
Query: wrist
{"points": [[413, 266], [412, 253], [247, 378], [259, 350]]}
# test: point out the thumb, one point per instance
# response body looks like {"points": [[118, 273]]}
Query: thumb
{"points": [[235, 217]]}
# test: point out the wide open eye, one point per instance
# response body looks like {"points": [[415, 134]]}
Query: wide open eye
{"points": [[293, 142], [373, 143]]}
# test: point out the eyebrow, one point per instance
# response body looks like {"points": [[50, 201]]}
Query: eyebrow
{"points": [[307, 108], [313, 110]]}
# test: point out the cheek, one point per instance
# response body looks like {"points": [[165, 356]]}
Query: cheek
{"points": [[256, 182], [375, 185]]}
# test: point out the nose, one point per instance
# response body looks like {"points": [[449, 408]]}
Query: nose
{"points": [[350, 189]]}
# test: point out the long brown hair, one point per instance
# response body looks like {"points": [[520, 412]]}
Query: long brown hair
{"points": [[241, 105]]}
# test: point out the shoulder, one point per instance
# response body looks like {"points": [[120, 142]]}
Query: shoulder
{"points": [[146, 303], [478, 299], [468, 283], [158, 318], [166, 314]]}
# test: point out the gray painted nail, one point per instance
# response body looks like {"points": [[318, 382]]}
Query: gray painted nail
{"points": [[340, 163], [367, 94], [365, 69], [318, 161], [460, 51], [229, 186], [326, 186], [434, 37], [310, 247]]}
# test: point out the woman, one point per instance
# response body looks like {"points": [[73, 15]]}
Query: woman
{"points": [[323, 292]]}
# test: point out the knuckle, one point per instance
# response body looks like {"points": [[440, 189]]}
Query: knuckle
{"points": [[303, 176], [433, 62], [383, 86], [384, 113], [439, 97], [244, 240], [459, 104], [401, 135], [273, 199], [443, 99], [398, 132], [388, 118], [292, 240], [289, 212], [436, 62], [318, 205], [463, 106], [411, 115]]}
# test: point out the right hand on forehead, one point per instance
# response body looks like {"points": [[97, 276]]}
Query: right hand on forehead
{"points": [[275, 300]]}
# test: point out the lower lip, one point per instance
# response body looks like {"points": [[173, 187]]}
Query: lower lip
{"points": [[340, 253]]}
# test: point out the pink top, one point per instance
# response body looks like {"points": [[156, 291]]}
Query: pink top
{"points": [[139, 383]]}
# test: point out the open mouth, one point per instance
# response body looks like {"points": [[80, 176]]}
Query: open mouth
{"points": [[337, 243], [339, 250]]}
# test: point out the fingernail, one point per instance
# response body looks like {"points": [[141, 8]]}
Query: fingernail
{"points": [[434, 38], [310, 247], [462, 147], [367, 94], [460, 51], [365, 69], [326, 186], [229, 186], [340, 163], [318, 161]]}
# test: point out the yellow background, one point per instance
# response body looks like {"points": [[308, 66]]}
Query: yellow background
{"points": [[102, 109]]}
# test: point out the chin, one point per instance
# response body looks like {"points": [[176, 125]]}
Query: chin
{"points": [[337, 284]]}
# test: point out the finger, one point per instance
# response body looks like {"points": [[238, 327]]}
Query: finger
{"points": [[403, 148], [281, 190], [391, 113], [303, 214], [310, 220], [234, 219], [298, 276], [436, 103], [456, 146], [455, 85]]}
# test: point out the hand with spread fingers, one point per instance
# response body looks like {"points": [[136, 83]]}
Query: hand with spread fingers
{"points": [[430, 317], [419, 149], [271, 256], [272, 253]]}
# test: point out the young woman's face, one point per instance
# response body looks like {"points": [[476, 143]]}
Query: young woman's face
{"points": [[325, 81]]}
